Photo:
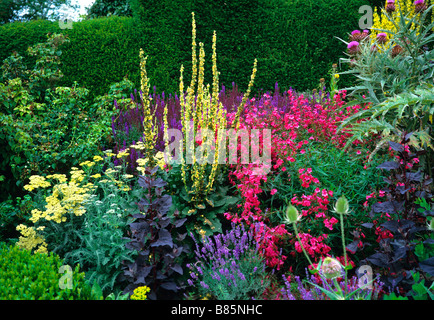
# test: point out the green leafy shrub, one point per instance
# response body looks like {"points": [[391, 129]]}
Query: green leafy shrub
{"points": [[12, 213], [46, 128], [27, 276]]}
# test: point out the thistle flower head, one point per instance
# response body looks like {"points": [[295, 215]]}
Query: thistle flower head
{"points": [[397, 49], [355, 35], [353, 47], [382, 38], [342, 205], [390, 6], [419, 6]]}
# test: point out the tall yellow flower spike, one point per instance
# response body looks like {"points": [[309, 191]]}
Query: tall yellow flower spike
{"points": [[149, 119], [200, 111]]}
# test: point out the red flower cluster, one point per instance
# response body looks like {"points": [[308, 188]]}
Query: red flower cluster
{"points": [[292, 128], [313, 246]]}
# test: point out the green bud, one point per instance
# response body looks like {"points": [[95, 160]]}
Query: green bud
{"points": [[431, 225], [342, 206], [331, 268], [292, 215]]}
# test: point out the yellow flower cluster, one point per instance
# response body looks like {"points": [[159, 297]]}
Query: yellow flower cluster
{"points": [[59, 177], [122, 154], [158, 159], [36, 182], [30, 239], [97, 158], [381, 21], [87, 163], [149, 119], [140, 293], [66, 197]]}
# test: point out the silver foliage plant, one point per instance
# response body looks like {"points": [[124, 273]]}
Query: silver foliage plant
{"points": [[396, 81]]}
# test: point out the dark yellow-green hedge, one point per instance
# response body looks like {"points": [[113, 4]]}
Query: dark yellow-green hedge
{"points": [[294, 42]]}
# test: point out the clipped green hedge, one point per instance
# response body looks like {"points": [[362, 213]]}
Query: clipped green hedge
{"points": [[294, 42], [100, 52], [27, 276]]}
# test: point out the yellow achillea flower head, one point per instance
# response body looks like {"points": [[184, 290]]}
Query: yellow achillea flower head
{"points": [[140, 293], [36, 182], [30, 239], [87, 163], [122, 154]]}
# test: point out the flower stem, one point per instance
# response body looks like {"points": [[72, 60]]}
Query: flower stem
{"points": [[301, 244], [345, 250]]}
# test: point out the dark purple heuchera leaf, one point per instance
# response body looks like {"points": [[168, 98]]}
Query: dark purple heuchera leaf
{"points": [[396, 146], [164, 239], [402, 189], [414, 176], [379, 259], [368, 225], [144, 181], [141, 275], [164, 221], [353, 246], [170, 285], [428, 266], [159, 183], [388, 206], [179, 222], [177, 268], [429, 241], [162, 205], [389, 165], [391, 225]]}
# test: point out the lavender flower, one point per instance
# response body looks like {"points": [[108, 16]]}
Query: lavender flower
{"points": [[228, 264]]}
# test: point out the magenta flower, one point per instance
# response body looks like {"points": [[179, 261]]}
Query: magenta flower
{"points": [[419, 6], [390, 6], [353, 47], [381, 38], [355, 35]]}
